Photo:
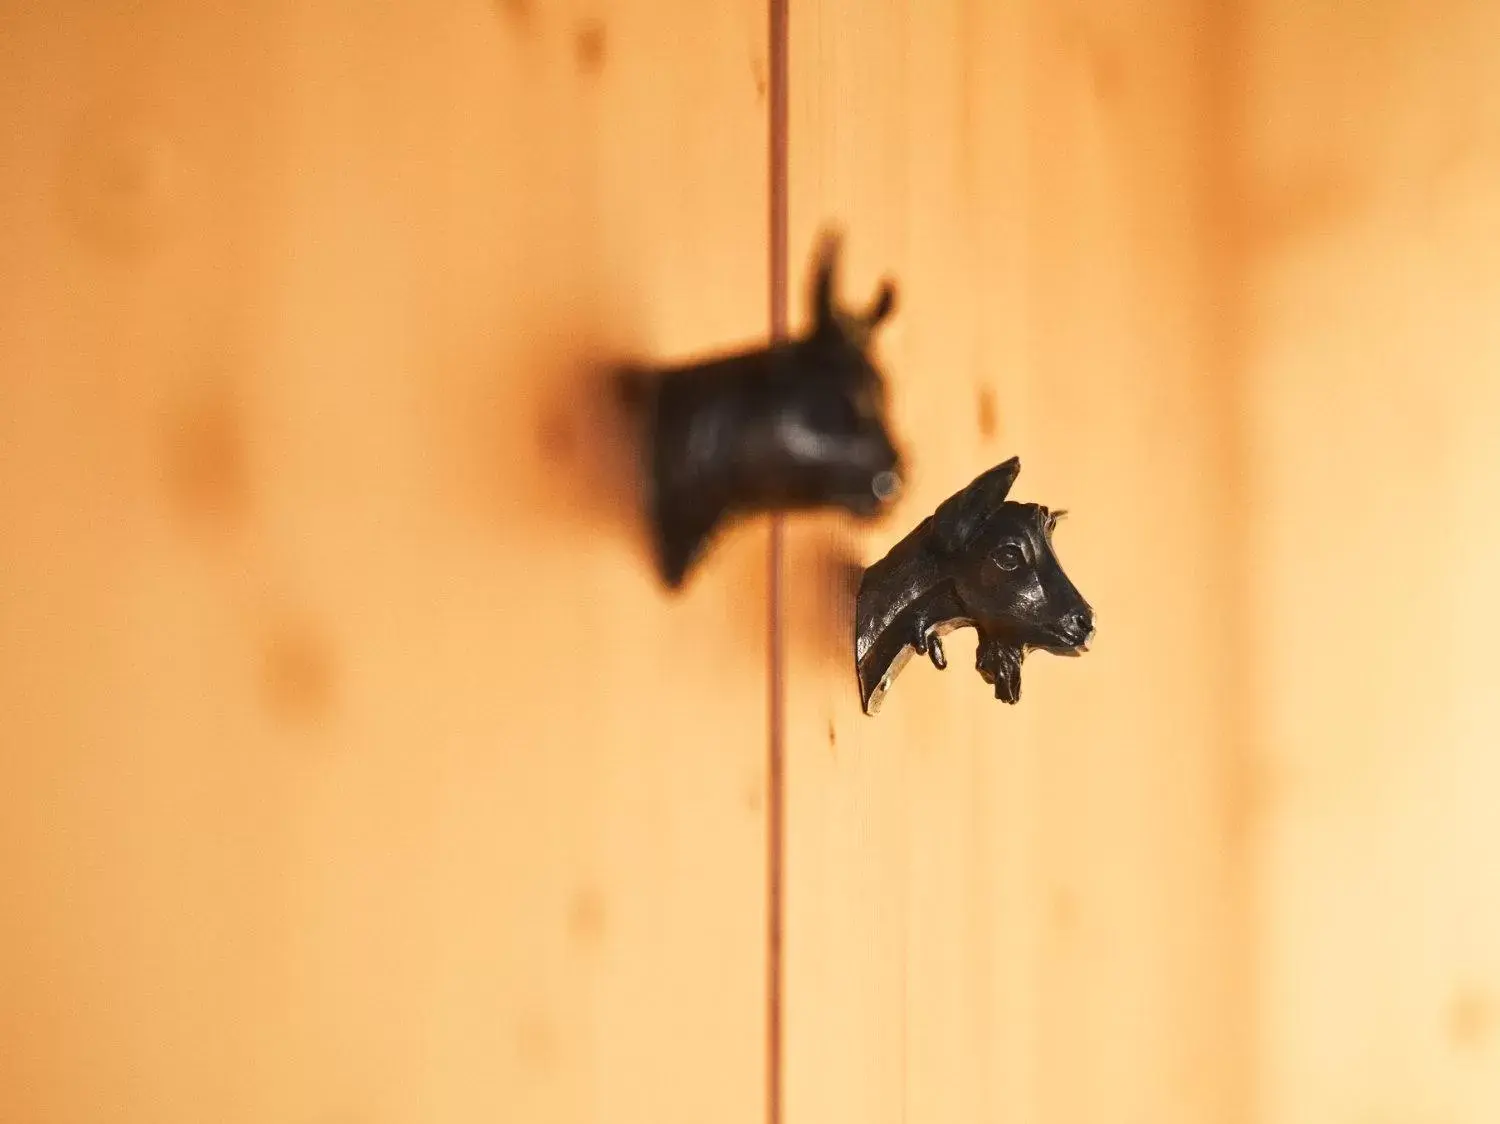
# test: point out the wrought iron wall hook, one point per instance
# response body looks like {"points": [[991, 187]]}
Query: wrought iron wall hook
{"points": [[795, 426], [982, 561]]}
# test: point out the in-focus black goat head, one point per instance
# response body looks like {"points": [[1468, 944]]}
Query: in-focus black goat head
{"points": [[795, 426], [979, 560]]}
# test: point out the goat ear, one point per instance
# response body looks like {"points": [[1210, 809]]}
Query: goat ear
{"points": [[963, 515], [825, 278], [858, 330], [883, 306]]}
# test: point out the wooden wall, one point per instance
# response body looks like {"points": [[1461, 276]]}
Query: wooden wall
{"points": [[353, 767], [1021, 914], [1370, 164]]}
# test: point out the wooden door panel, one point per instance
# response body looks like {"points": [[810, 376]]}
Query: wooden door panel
{"points": [[1020, 914], [354, 766], [1371, 178]]}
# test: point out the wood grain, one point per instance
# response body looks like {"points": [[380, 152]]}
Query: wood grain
{"points": [[354, 769], [1372, 184], [1023, 914], [352, 766]]}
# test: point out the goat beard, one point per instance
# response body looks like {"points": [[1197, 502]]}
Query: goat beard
{"points": [[999, 664]]}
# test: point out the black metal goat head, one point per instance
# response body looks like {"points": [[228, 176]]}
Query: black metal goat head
{"points": [[795, 426], [979, 560]]}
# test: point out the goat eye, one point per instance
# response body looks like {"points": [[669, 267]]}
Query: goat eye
{"points": [[1010, 557]]}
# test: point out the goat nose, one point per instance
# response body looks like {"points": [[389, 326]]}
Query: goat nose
{"points": [[886, 486], [1080, 623]]}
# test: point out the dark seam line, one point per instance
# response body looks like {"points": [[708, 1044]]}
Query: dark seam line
{"points": [[776, 748]]}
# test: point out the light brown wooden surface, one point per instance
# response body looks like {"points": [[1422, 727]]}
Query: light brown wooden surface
{"points": [[353, 767], [1372, 176], [1024, 914]]}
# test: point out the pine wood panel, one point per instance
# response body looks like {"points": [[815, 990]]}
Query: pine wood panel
{"points": [[1023, 914], [1372, 178], [353, 767]]}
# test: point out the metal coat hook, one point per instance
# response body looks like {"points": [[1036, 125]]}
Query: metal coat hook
{"points": [[794, 426], [981, 561]]}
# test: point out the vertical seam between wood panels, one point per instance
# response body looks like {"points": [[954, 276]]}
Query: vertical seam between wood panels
{"points": [[776, 742]]}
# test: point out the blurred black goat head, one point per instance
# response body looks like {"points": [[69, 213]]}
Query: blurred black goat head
{"points": [[795, 426], [979, 560]]}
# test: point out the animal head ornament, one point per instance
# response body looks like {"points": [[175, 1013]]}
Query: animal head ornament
{"points": [[796, 426], [980, 560]]}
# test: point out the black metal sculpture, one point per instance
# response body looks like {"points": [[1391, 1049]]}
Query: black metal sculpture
{"points": [[979, 560], [794, 426]]}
